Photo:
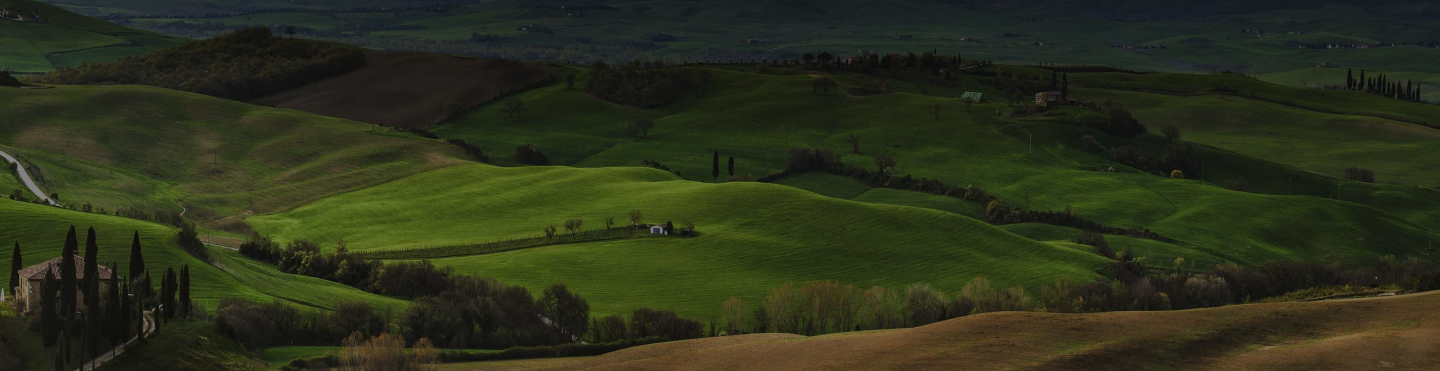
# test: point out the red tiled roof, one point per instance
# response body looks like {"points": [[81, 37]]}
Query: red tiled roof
{"points": [[37, 272]]}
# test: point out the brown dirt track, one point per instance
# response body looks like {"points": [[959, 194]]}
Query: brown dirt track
{"points": [[408, 89], [1400, 333]]}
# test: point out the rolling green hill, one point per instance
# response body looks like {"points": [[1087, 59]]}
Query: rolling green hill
{"points": [[40, 230], [753, 236], [163, 150], [60, 38]]}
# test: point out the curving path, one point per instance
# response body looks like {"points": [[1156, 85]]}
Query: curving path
{"points": [[148, 328], [29, 183]]}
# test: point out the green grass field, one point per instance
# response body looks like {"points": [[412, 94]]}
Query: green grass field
{"points": [[217, 158], [63, 39], [754, 236], [40, 230]]}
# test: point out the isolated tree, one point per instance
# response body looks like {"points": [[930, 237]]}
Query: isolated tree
{"points": [[807, 58], [854, 143], [609, 222], [14, 268], [730, 167], [715, 167], [67, 276], [137, 260], [635, 218], [569, 81], [735, 314], [512, 106], [823, 83], [825, 58], [642, 127], [1171, 133], [884, 163], [1054, 80], [571, 225], [550, 232]]}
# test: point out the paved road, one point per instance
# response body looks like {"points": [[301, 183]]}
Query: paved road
{"points": [[25, 177]]}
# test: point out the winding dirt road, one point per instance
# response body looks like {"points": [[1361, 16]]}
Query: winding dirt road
{"points": [[29, 183]]}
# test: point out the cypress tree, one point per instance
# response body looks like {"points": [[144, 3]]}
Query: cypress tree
{"points": [[92, 270], [1065, 88], [1349, 79], [15, 268], [715, 166], [67, 277], [168, 293], [50, 322], [185, 291], [1054, 80], [731, 167], [137, 261], [1362, 80], [123, 316], [113, 317]]}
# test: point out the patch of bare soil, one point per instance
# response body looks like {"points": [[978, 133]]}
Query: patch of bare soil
{"points": [[1399, 333]]}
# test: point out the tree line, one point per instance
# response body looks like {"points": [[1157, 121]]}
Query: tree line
{"points": [[645, 84], [799, 160], [241, 65], [823, 307], [448, 310], [1382, 86]]}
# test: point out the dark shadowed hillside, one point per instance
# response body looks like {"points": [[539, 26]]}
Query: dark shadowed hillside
{"points": [[412, 90]]}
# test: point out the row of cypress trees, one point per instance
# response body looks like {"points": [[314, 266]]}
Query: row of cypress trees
{"points": [[1382, 86], [108, 317]]}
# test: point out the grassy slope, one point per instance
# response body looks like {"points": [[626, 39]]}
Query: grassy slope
{"points": [[754, 236], [1397, 333], [1308, 140], [40, 230], [69, 38], [223, 158], [756, 117]]}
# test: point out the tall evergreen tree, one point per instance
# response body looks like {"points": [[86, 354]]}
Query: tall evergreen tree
{"points": [[123, 316], [137, 261], [113, 306], [50, 320], [715, 166], [731, 167], [15, 265], [1362, 81], [185, 291], [1349, 79], [1065, 87], [90, 281], [67, 277], [168, 293], [1054, 80]]}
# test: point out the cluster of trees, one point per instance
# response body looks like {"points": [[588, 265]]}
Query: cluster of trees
{"points": [[1382, 86], [828, 307], [112, 310], [7, 80], [643, 84], [644, 323], [823, 307], [404, 278], [1177, 157], [257, 326], [530, 155], [1360, 175], [242, 65], [1116, 120]]}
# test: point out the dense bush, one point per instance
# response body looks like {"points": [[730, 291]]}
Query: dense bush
{"points": [[7, 80], [189, 240], [1118, 121], [242, 65], [530, 155], [643, 84], [1360, 175], [470, 149], [1177, 156], [1097, 240]]}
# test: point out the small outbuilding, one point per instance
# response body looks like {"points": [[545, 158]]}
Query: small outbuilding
{"points": [[659, 230]]}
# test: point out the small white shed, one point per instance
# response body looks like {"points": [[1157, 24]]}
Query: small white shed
{"points": [[658, 229]]}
